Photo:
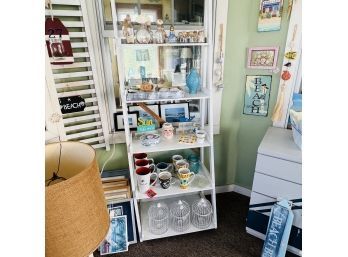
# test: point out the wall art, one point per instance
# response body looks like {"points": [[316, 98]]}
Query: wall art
{"points": [[175, 112], [262, 57], [71, 104], [145, 115], [132, 120], [257, 92], [58, 42], [270, 15], [116, 240]]}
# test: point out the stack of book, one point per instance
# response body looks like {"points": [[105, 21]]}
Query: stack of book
{"points": [[116, 188]]}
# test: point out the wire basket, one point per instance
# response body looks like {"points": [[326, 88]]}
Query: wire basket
{"points": [[180, 216], [202, 213], [158, 218]]}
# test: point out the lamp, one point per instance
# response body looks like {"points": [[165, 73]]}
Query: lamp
{"points": [[77, 218]]}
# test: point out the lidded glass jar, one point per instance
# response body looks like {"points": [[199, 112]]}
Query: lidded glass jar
{"points": [[143, 35], [202, 213], [158, 218], [180, 216], [159, 35], [194, 163]]}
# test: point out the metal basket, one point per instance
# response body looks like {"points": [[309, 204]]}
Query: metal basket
{"points": [[180, 216], [202, 213], [158, 218]]}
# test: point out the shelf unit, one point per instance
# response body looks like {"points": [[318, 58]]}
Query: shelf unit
{"points": [[205, 180]]}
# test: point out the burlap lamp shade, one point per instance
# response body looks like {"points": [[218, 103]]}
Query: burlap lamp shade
{"points": [[77, 219]]}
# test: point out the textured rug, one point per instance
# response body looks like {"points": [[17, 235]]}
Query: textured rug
{"points": [[229, 239]]}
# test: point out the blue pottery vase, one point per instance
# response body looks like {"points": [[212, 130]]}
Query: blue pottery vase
{"points": [[192, 81]]}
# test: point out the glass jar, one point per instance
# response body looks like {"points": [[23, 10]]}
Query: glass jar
{"points": [[143, 36], [194, 163]]}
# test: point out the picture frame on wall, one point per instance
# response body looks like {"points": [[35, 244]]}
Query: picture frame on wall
{"points": [[270, 15], [257, 95], [175, 112], [132, 119], [145, 115], [263, 57]]}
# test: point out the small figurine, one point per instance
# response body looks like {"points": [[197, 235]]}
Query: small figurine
{"points": [[148, 27], [127, 30], [166, 19], [171, 36], [201, 37], [160, 35]]}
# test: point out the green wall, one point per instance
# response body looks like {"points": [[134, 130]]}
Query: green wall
{"points": [[240, 135]]}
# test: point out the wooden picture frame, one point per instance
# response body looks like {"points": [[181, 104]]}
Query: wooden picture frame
{"points": [[264, 58], [178, 112], [119, 124]]}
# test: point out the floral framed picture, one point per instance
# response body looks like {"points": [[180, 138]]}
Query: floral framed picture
{"points": [[263, 57]]}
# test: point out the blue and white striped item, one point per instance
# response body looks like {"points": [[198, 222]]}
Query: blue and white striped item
{"points": [[278, 230]]}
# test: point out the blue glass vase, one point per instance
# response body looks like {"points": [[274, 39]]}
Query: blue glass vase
{"points": [[193, 81]]}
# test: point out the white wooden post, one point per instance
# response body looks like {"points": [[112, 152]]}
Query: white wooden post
{"points": [[293, 43]]}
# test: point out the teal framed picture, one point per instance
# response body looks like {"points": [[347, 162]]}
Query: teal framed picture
{"points": [[257, 92]]}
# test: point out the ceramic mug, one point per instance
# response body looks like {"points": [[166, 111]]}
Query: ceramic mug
{"points": [[143, 179], [181, 164], [165, 179], [145, 163], [162, 166], [176, 158], [142, 156], [200, 134], [186, 177]]}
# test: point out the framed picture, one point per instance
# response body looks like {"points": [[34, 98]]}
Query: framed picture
{"points": [[262, 57], [132, 120], [141, 62], [270, 15], [116, 211], [143, 113], [126, 207], [256, 98], [116, 240], [175, 112]]}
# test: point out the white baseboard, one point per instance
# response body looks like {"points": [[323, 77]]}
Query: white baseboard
{"points": [[233, 188]]}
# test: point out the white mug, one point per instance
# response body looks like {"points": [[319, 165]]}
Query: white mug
{"points": [[143, 178], [200, 134]]}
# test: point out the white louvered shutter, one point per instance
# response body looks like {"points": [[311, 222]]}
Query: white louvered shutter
{"points": [[80, 78]]}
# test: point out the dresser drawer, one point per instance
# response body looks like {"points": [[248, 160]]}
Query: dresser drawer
{"points": [[264, 204], [275, 187], [279, 168]]}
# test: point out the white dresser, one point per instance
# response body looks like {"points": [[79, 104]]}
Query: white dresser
{"points": [[278, 174]]}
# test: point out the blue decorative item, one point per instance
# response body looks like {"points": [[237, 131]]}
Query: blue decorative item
{"points": [[278, 230], [194, 163], [193, 81], [142, 72]]}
